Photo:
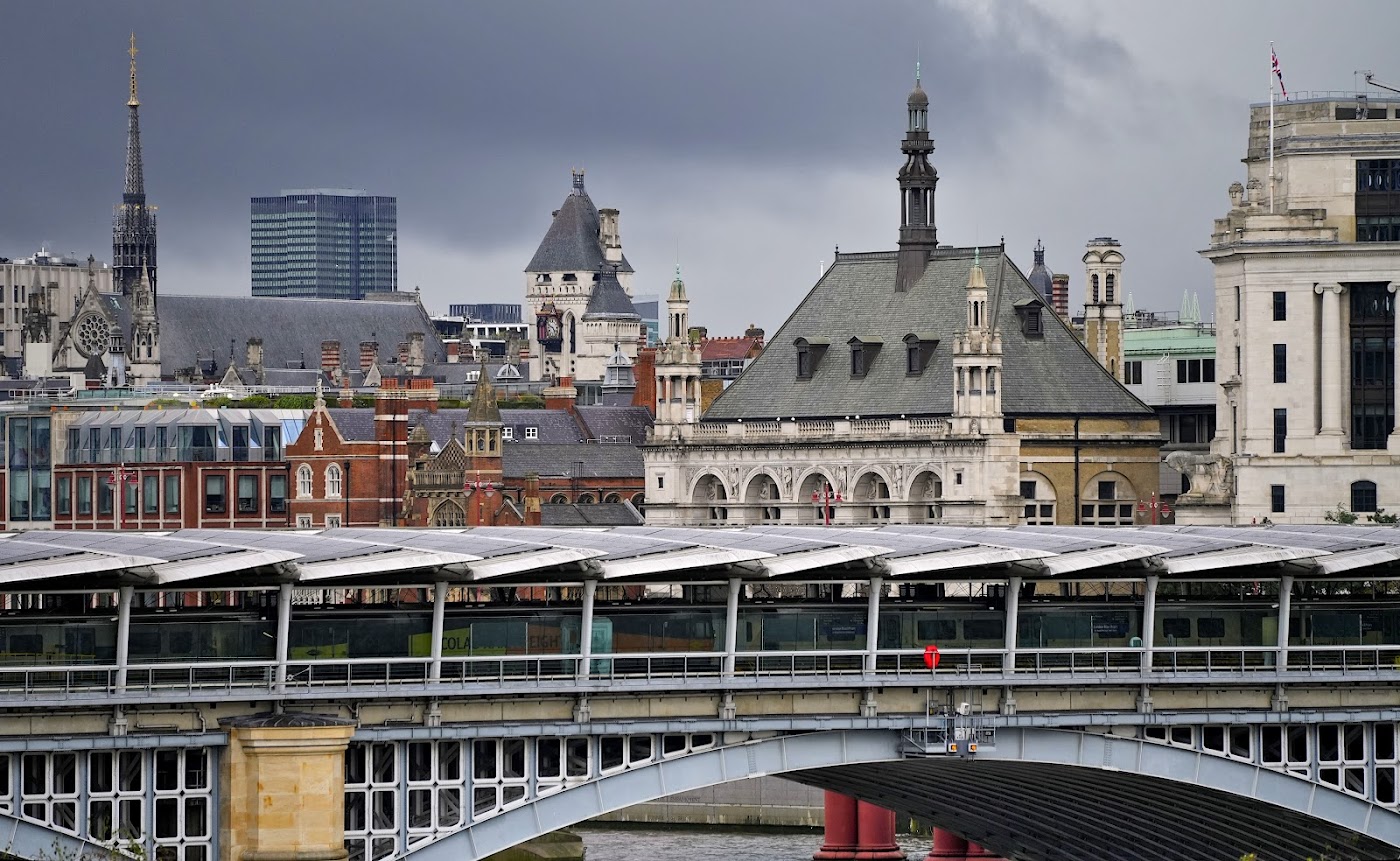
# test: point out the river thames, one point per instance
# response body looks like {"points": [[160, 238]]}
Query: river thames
{"points": [[629, 844]]}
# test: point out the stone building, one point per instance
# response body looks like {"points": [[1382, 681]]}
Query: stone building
{"points": [[1306, 263], [929, 384], [578, 293]]}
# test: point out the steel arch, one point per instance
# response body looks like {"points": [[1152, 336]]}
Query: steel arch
{"points": [[24, 838], [1040, 795]]}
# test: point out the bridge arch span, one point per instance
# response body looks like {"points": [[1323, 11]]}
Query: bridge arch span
{"points": [[1040, 795]]}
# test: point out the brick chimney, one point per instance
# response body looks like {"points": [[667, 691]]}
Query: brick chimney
{"points": [[403, 354], [369, 354], [644, 372], [330, 359], [422, 394], [532, 499], [454, 347], [561, 395], [756, 333]]}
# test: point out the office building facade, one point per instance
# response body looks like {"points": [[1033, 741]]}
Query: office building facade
{"points": [[324, 244]]}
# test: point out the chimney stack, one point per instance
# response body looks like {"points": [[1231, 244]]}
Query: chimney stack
{"points": [[644, 373], [330, 356], [369, 354], [454, 348], [532, 499], [415, 353], [561, 396]]}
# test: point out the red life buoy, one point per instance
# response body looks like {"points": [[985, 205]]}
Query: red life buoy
{"points": [[931, 656]]}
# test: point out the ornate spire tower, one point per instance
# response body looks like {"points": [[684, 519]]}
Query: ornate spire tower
{"points": [[918, 236], [134, 223]]}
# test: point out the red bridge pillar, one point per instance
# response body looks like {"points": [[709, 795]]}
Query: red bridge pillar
{"points": [[857, 831], [975, 852], [875, 827], [947, 846], [839, 837]]}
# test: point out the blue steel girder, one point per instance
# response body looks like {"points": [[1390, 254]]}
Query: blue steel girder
{"points": [[23, 838], [1038, 795]]}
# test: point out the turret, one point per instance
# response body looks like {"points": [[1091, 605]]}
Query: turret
{"points": [[918, 234]]}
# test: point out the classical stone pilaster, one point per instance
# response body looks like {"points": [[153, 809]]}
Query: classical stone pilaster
{"points": [[1330, 381], [283, 788]]}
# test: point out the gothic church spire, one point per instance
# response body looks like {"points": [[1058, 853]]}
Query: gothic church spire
{"points": [[134, 223]]}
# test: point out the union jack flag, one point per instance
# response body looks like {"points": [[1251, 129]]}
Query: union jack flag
{"points": [[1278, 73]]}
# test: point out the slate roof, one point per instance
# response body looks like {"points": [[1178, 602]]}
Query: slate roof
{"points": [[608, 299], [571, 244], [1048, 375], [613, 423], [594, 460], [291, 329], [597, 514]]}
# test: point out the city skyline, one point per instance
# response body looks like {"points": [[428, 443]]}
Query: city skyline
{"points": [[1059, 122]]}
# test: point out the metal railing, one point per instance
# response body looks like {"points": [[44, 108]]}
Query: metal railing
{"points": [[372, 677]]}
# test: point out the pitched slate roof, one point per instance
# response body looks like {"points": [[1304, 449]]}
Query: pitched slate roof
{"points": [[291, 329], [571, 244], [616, 423], [1048, 375], [593, 460], [597, 514]]}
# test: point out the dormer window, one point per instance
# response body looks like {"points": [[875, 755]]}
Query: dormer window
{"points": [[570, 278], [918, 350], [809, 355], [864, 348], [1031, 314]]}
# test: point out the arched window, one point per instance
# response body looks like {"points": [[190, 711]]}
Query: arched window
{"points": [[1107, 500], [612, 499], [303, 481], [585, 499], [1094, 285], [1363, 496], [1037, 500], [1108, 283], [333, 481], [449, 513], [558, 499]]}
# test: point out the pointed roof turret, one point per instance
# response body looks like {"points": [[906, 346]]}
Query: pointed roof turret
{"points": [[134, 227], [1040, 277], [573, 243], [608, 299], [484, 409]]}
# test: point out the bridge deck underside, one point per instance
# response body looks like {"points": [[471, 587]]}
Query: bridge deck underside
{"points": [[1052, 812]]}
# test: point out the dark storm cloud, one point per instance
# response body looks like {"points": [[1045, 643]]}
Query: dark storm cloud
{"points": [[760, 115]]}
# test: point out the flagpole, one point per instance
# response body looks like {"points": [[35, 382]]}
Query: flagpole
{"points": [[1271, 128]]}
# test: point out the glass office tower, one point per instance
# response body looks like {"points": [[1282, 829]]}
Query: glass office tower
{"points": [[324, 243]]}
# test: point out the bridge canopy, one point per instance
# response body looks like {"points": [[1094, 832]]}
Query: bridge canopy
{"points": [[203, 558]]}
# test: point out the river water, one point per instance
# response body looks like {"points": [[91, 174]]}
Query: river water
{"points": [[630, 844]]}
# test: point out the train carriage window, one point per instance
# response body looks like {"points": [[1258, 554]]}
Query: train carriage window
{"points": [[1178, 628], [937, 630], [1209, 628], [26, 644], [984, 629], [145, 643]]}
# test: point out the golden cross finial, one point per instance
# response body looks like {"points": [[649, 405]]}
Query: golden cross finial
{"points": [[133, 101]]}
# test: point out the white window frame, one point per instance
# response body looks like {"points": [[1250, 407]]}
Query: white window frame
{"points": [[332, 521], [304, 481], [532, 433], [334, 479], [304, 521]]}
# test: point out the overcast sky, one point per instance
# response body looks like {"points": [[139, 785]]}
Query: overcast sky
{"points": [[744, 139]]}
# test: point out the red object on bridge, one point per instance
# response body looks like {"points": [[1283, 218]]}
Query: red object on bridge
{"points": [[947, 846], [931, 656]]}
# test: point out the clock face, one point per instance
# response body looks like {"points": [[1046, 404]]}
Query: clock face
{"points": [[90, 334], [551, 327]]}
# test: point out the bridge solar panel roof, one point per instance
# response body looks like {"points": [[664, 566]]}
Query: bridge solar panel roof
{"points": [[556, 554]]}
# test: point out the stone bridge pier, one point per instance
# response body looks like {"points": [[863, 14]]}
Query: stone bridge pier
{"points": [[283, 788]]}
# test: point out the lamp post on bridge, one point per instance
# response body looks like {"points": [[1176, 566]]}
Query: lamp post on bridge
{"points": [[121, 477], [826, 499]]}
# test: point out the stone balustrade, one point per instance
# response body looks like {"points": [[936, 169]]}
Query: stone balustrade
{"points": [[811, 430]]}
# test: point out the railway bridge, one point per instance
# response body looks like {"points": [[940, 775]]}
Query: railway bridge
{"points": [[1153, 693]]}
